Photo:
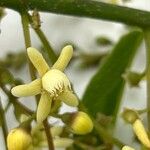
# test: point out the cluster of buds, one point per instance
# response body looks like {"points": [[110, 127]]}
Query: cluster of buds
{"points": [[131, 117], [53, 85]]}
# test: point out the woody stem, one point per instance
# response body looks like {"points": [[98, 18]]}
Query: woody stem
{"points": [[48, 135]]}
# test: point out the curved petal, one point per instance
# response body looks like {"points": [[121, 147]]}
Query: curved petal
{"points": [[64, 58], [37, 60], [69, 98], [30, 89], [44, 107]]}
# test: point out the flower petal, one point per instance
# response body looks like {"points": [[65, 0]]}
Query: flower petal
{"points": [[69, 98], [127, 148], [141, 133], [30, 89], [37, 60], [44, 107], [64, 58]]}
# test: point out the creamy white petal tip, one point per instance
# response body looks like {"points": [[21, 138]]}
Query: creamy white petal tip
{"points": [[37, 60], [30, 89], [64, 58], [127, 148]]}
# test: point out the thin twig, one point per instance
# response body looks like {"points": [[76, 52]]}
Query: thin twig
{"points": [[106, 137], [3, 123], [14, 100], [52, 56], [46, 44]]}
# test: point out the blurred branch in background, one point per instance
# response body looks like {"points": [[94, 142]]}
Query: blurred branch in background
{"points": [[84, 8], [14, 60]]}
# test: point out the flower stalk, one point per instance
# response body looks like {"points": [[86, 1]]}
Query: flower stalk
{"points": [[46, 44], [48, 48], [26, 32], [48, 135]]}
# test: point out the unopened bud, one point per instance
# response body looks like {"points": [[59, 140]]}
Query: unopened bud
{"points": [[56, 130], [79, 122], [133, 78], [19, 139], [130, 115]]}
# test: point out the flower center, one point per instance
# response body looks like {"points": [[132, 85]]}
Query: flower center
{"points": [[55, 82]]}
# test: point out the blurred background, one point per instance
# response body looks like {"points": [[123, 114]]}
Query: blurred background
{"points": [[84, 34]]}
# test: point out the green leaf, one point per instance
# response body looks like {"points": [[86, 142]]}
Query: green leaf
{"points": [[104, 92]]}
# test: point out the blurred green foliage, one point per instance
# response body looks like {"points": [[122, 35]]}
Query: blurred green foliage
{"points": [[104, 92]]}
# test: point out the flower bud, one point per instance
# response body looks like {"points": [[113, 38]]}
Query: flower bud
{"points": [[130, 115], [56, 130], [133, 78], [19, 139], [79, 122]]}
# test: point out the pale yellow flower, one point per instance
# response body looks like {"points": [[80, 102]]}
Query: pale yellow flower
{"points": [[52, 84]]}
